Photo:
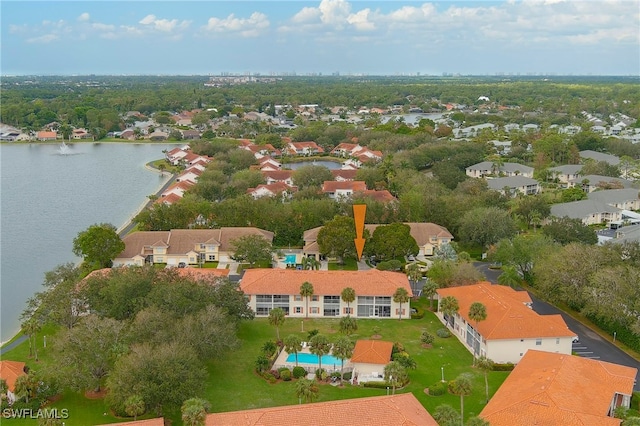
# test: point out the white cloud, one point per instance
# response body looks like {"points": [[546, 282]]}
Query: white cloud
{"points": [[46, 38], [164, 25], [84, 17], [307, 14], [252, 26], [103, 27], [334, 12], [360, 20]]}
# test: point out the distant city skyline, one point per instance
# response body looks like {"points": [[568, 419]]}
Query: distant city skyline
{"points": [[358, 37]]}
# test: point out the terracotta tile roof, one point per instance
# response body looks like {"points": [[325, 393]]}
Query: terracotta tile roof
{"points": [[46, 135], [159, 421], [383, 196], [397, 410], [279, 175], [344, 174], [372, 352], [507, 316], [332, 185], [554, 389], [274, 188], [171, 198], [10, 371], [325, 283]]}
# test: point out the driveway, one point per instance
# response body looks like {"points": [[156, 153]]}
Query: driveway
{"points": [[591, 345]]}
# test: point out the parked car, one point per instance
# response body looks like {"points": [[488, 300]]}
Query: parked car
{"points": [[182, 265]]}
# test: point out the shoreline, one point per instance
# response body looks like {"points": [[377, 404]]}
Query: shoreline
{"points": [[120, 230]]}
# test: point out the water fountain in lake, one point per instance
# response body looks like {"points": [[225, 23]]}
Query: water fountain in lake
{"points": [[64, 149]]}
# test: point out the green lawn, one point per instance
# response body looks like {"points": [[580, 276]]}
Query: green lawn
{"points": [[233, 384], [349, 265]]}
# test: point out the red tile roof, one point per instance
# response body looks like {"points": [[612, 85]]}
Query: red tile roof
{"points": [[10, 371], [329, 283], [507, 316], [344, 174], [382, 196], [397, 410], [372, 352], [554, 389], [279, 175], [333, 186]]}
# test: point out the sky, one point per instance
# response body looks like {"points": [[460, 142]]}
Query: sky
{"points": [[357, 37]]}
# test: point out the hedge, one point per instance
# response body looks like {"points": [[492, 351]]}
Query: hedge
{"points": [[377, 385], [299, 372], [419, 314], [502, 367], [285, 375], [623, 334], [347, 375]]}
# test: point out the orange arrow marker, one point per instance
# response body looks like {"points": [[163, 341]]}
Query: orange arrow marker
{"points": [[359, 212]]}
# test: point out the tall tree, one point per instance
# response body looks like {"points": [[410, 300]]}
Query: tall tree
{"points": [[306, 291], [194, 411], [348, 325], [401, 295], [343, 349], [392, 241], [522, 251], [486, 225], [311, 176], [252, 249], [566, 230], [446, 415], [336, 238], [395, 374], [293, 344], [319, 345], [134, 406], [486, 365], [276, 319], [462, 386], [307, 389], [477, 313], [448, 306], [429, 290], [348, 295], [98, 245]]}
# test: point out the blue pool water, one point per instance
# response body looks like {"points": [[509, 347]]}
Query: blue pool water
{"points": [[290, 259], [305, 358]]}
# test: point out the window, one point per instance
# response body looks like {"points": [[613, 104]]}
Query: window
{"points": [[348, 311], [266, 302], [297, 298], [315, 310], [297, 310], [557, 340], [212, 257], [315, 298], [331, 306], [159, 259], [538, 342], [202, 246]]}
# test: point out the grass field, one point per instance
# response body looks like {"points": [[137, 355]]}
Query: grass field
{"points": [[233, 384]]}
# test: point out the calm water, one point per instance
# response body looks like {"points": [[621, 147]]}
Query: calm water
{"points": [[46, 198], [307, 358], [331, 165]]}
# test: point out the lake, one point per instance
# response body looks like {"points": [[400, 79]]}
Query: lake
{"points": [[49, 195], [331, 165]]}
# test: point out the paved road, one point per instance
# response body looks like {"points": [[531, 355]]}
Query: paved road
{"points": [[591, 345], [13, 344]]}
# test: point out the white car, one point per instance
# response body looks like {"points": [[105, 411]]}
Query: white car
{"points": [[575, 339]]}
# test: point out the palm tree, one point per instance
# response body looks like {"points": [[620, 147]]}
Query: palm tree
{"points": [[307, 389], [477, 313], [306, 291], [293, 344], [134, 406], [319, 345], [348, 325], [446, 415], [277, 318], [310, 263], [343, 349], [509, 276], [429, 290], [348, 295], [194, 412], [461, 386], [478, 421], [485, 364], [395, 374], [401, 296], [448, 306]]}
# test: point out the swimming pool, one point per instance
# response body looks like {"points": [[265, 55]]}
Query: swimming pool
{"points": [[290, 259], [306, 358]]}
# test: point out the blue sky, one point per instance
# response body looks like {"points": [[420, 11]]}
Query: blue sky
{"points": [[600, 37]]}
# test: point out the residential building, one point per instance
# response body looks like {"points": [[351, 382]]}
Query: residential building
{"points": [[402, 409], [625, 199], [278, 176], [382, 196], [9, 372], [600, 156], [590, 212], [337, 190], [566, 173], [511, 327], [342, 175], [590, 183], [555, 389], [626, 234], [514, 185], [47, 135], [486, 168], [191, 246], [303, 148], [369, 359], [280, 288], [268, 164], [278, 189]]}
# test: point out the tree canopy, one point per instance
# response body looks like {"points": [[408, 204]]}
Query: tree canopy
{"points": [[98, 245]]}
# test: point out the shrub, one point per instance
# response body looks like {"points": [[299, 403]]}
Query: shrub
{"points": [[335, 374], [405, 360], [502, 367], [437, 389], [262, 363], [377, 385], [281, 369], [275, 373], [285, 375], [397, 347], [321, 374], [443, 332], [347, 376], [313, 333], [427, 338], [299, 372], [635, 400], [418, 314]]}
